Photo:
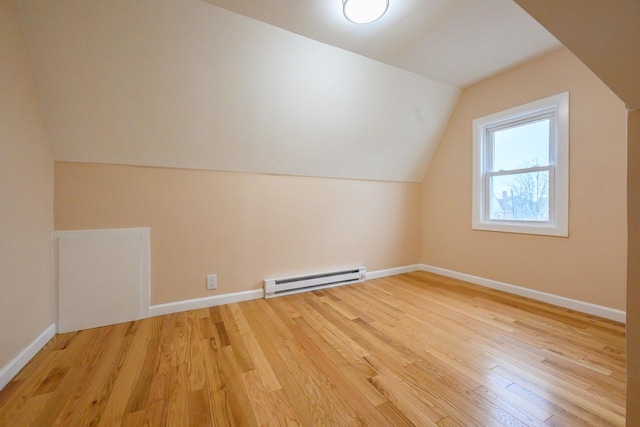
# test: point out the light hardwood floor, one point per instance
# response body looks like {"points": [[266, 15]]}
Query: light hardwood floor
{"points": [[415, 349]]}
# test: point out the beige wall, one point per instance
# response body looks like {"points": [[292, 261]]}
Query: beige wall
{"points": [[633, 277], [243, 227], [26, 197], [590, 265]]}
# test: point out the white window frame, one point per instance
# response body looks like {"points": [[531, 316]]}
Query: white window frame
{"points": [[555, 107]]}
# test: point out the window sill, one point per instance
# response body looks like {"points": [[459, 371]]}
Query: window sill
{"points": [[527, 228]]}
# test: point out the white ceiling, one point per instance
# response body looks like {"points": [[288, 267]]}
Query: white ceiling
{"points": [[458, 42]]}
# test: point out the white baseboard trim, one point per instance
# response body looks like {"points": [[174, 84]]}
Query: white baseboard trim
{"points": [[573, 304], [393, 271], [194, 304], [12, 368]]}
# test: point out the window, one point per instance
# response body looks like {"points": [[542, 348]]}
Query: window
{"points": [[521, 169]]}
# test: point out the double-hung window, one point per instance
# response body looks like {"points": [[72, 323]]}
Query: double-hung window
{"points": [[521, 169]]}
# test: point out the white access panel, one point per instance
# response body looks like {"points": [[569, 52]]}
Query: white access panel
{"points": [[102, 277]]}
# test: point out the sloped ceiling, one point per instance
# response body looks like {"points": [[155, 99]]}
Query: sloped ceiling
{"points": [[184, 83], [604, 35], [457, 42]]}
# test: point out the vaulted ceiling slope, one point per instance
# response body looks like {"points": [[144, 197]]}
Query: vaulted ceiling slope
{"points": [[585, 27], [458, 42], [183, 83], [188, 84]]}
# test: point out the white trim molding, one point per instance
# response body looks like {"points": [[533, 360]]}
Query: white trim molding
{"points": [[12, 368], [194, 304], [573, 304], [393, 271]]}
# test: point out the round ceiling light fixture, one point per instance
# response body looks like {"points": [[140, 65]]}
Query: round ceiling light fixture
{"points": [[364, 11]]}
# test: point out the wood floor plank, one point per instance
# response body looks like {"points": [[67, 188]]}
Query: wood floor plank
{"points": [[58, 342], [449, 422], [97, 396], [49, 412], [601, 407], [450, 392], [139, 397], [295, 389], [269, 407], [242, 357], [364, 397], [27, 387], [199, 411], [218, 397], [563, 412], [134, 419], [327, 404], [32, 409], [410, 350], [339, 335], [238, 398], [159, 388], [262, 368], [195, 361], [90, 399], [121, 392], [577, 407], [418, 410], [10, 390], [178, 402], [394, 416]]}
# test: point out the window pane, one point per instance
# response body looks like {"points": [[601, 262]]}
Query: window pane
{"points": [[521, 146], [520, 197]]}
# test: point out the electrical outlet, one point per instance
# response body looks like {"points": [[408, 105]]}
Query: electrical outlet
{"points": [[212, 281]]}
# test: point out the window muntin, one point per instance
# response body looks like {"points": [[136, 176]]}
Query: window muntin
{"points": [[521, 169]]}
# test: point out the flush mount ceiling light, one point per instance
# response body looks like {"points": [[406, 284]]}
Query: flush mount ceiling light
{"points": [[364, 11]]}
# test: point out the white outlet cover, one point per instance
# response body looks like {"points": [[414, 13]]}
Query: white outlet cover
{"points": [[212, 281]]}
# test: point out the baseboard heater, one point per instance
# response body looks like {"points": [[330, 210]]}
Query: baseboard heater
{"points": [[309, 282]]}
